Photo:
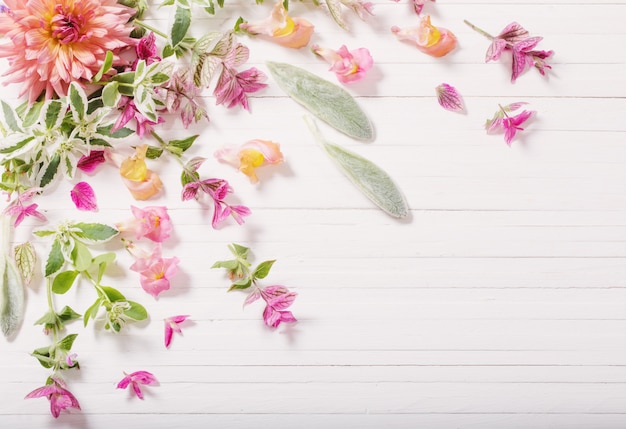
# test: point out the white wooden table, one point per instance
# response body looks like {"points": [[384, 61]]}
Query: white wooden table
{"points": [[500, 303]]}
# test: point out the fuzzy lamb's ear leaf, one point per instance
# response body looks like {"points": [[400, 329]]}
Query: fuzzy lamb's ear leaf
{"points": [[373, 181], [329, 102]]}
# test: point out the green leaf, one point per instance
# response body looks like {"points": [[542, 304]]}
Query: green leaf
{"points": [[51, 170], [53, 116], [32, 115], [229, 265], [10, 118], [101, 261], [168, 51], [63, 281], [17, 145], [112, 294], [154, 152], [136, 311], [55, 259], [25, 259], [181, 145], [50, 319], [44, 233], [81, 256], [78, 101], [66, 343], [327, 101], [106, 66], [334, 7], [67, 315], [159, 78], [43, 356], [244, 283], [117, 134], [110, 94], [11, 294], [263, 269], [239, 250], [92, 311], [94, 232], [373, 181], [182, 19]]}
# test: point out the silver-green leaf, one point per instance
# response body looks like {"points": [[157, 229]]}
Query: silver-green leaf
{"points": [[329, 102], [373, 181], [11, 286]]}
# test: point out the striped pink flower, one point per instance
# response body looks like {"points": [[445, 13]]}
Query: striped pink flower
{"points": [[51, 43]]}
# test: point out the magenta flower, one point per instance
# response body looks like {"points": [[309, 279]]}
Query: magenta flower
{"points": [[449, 98], [418, 5], [88, 163], [130, 111], [171, 326], [217, 189], [151, 222], [83, 197], [277, 300], [349, 66], [20, 210], [232, 87], [502, 121], [60, 398], [146, 50], [182, 95], [136, 380], [155, 271]]}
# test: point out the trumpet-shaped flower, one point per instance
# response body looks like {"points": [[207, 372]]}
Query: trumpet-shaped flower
{"points": [[55, 391], [250, 155], [172, 324], [51, 43], [136, 380], [280, 28], [155, 271], [503, 121], [152, 222], [349, 66], [434, 41], [140, 181]]}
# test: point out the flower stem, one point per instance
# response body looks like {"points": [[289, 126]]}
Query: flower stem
{"points": [[151, 28], [478, 30]]}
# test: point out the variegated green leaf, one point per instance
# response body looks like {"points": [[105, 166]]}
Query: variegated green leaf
{"points": [[25, 260], [78, 101], [327, 101]]}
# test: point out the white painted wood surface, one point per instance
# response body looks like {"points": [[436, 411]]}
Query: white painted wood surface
{"points": [[500, 303]]}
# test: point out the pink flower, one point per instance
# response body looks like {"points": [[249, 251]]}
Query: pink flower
{"points": [[142, 183], [171, 326], [60, 398], [502, 121], [349, 66], [136, 380], [281, 28], [277, 300], [155, 271], [52, 43], [182, 95], [250, 155], [152, 222], [232, 87], [418, 5], [217, 190], [431, 40], [449, 98], [130, 111], [88, 163], [20, 210], [83, 197], [146, 50]]}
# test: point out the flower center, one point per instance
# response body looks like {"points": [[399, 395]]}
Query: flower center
{"points": [[66, 25]]}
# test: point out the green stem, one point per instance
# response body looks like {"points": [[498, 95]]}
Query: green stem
{"points": [[478, 30], [151, 28]]}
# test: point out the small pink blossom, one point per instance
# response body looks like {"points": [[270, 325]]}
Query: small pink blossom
{"points": [[277, 299], [502, 121], [431, 40], [88, 163], [84, 197], [146, 49], [152, 222], [155, 271], [172, 324], [136, 380], [349, 66], [130, 111], [20, 210], [251, 155], [55, 391], [418, 5], [232, 87], [449, 98], [280, 28]]}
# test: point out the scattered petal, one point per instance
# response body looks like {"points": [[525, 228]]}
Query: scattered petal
{"points": [[83, 197], [449, 98], [172, 324], [136, 380]]}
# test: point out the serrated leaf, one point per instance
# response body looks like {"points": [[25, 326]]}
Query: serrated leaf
{"points": [[182, 20], [106, 66], [10, 118], [17, 145], [136, 311], [51, 170], [110, 94], [94, 232], [55, 259], [325, 100], [78, 101], [63, 281], [263, 269], [55, 110], [373, 181], [25, 260], [334, 7]]}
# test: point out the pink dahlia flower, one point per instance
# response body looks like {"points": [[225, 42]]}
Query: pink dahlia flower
{"points": [[52, 43]]}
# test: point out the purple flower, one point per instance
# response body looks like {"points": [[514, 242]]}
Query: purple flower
{"points": [[146, 50], [60, 398], [503, 121], [232, 87], [136, 379], [217, 189], [20, 210]]}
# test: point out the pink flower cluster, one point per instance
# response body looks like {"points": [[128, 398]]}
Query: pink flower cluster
{"points": [[277, 300]]}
